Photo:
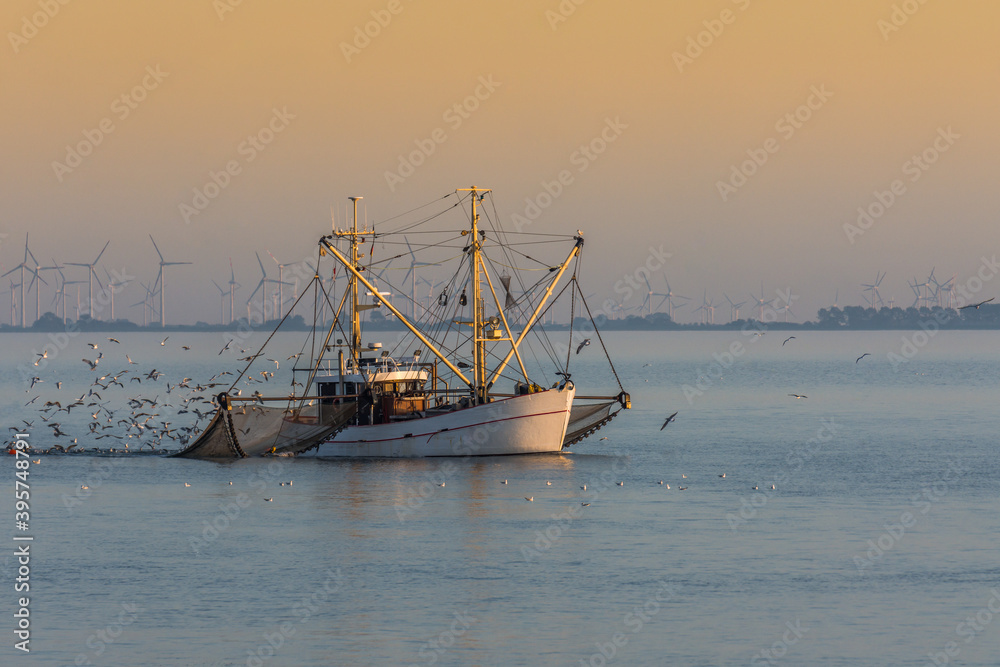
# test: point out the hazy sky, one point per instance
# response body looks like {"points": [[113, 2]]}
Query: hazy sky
{"points": [[884, 86]]}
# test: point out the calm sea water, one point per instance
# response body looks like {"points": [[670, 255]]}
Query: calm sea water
{"points": [[878, 544]]}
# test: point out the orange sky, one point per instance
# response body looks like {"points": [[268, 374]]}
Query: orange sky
{"points": [[555, 88]]}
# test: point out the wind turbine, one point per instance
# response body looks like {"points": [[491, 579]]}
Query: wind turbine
{"points": [[412, 275], [264, 280], [112, 285], [787, 309], [876, 299], [159, 281], [734, 308], [13, 303], [761, 302], [668, 299], [22, 266], [92, 273], [281, 281], [232, 291], [707, 308], [35, 279]]}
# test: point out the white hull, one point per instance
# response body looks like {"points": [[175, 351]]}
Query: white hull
{"points": [[529, 424]]}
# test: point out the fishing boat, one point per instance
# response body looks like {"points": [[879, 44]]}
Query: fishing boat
{"points": [[436, 390]]}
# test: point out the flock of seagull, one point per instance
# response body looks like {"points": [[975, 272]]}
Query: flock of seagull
{"points": [[139, 421]]}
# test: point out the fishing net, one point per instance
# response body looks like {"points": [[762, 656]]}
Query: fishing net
{"points": [[257, 430]]}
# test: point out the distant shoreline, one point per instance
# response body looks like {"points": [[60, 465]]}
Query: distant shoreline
{"points": [[851, 318]]}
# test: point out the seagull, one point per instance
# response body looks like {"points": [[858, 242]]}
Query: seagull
{"points": [[132, 363], [620, 483], [723, 475], [772, 487], [164, 341], [92, 364], [866, 354], [185, 347], [268, 500], [669, 419], [682, 488], [684, 476], [37, 462], [786, 340], [93, 346], [660, 482], [976, 305], [584, 487], [585, 343], [504, 482], [230, 483], [754, 487], [186, 484], [32, 400], [548, 483], [84, 487], [668, 487], [799, 395], [114, 340], [530, 498], [584, 504], [227, 346], [441, 484]]}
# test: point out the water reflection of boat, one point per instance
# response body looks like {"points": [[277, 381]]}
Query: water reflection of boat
{"points": [[369, 401]]}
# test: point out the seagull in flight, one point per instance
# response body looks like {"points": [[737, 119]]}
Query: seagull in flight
{"points": [[866, 354], [799, 395], [164, 341], [585, 343], [976, 305], [114, 340], [668, 420], [786, 340]]}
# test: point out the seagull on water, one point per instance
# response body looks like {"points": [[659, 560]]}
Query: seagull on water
{"points": [[668, 420], [504, 482], [723, 475], [585, 504], [548, 483], [268, 500], [186, 484], [620, 483], [530, 499]]}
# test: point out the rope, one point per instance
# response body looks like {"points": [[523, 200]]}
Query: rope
{"points": [[597, 331]]}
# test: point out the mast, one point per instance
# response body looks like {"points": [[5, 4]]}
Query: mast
{"points": [[355, 315], [478, 342]]}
